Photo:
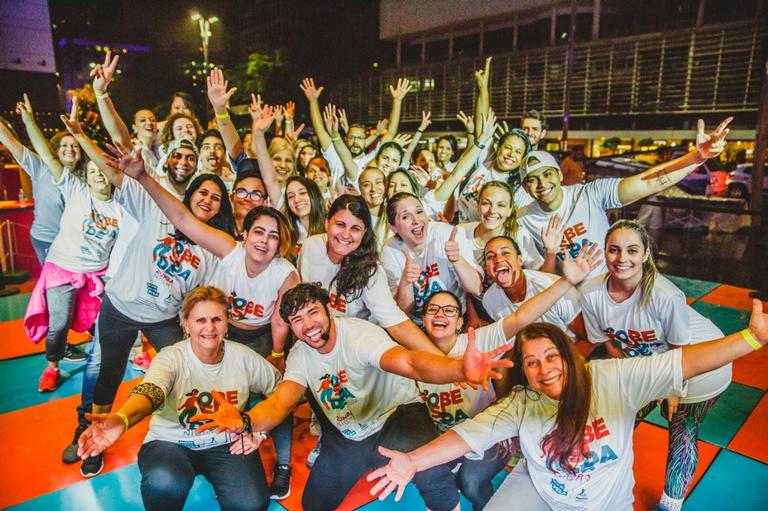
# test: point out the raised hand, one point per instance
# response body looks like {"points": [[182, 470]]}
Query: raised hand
{"points": [[425, 120], [467, 120], [382, 126], [552, 235], [293, 135], [262, 117], [395, 475], [422, 176], [402, 139], [343, 121], [72, 123], [501, 130], [403, 87], [758, 322], [331, 120], [104, 431], [102, 73], [290, 109], [575, 269], [218, 94], [480, 367], [225, 418], [488, 127], [452, 250], [712, 144], [279, 114], [24, 109], [482, 75], [307, 86], [132, 165], [412, 269]]}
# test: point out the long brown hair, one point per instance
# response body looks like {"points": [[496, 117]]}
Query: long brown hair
{"points": [[567, 438], [510, 223], [649, 266]]}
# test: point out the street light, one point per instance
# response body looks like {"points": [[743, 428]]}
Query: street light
{"points": [[205, 32]]}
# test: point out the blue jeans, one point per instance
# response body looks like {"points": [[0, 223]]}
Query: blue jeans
{"points": [[61, 303], [168, 471], [475, 476], [342, 461], [41, 249]]}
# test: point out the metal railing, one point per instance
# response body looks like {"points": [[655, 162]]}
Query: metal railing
{"points": [[713, 68]]}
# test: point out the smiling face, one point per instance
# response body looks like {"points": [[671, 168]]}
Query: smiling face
{"points": [[503, 263], [242, 205], [181, 165], [283, 163], [534, 129], [356, 141], [184, 128], [437, 321], [145, 124], [388, 161], [206, 201], [319, 176], [411, 223], [509, 154], [425, 159], [312, 325], [399, 182], [544, 186], [444, 152], [495, 207], [212, 154], [298, 200], [305, 154], [69, 151], [263, 240], [96, 179], [372, 187], [345, 233], [543, 366], [206, 326], [179, 107], [625, 255]]}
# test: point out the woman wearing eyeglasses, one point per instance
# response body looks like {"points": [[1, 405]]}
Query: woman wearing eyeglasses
{"points": [[449, 404], [248, 192]]}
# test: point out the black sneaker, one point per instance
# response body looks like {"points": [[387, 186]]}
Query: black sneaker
{"points": [[69, 455], [74, 354], [92, 466], [281, 482]]}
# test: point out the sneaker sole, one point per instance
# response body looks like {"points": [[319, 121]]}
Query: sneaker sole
{"points": [[281, 497], [66, 359], [93, 474]]}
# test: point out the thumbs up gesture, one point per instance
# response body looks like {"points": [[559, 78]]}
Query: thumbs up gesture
{"points": [[412, 269], [452, 246]]}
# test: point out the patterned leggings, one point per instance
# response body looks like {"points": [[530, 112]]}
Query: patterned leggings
{"points": [[683, 454]]}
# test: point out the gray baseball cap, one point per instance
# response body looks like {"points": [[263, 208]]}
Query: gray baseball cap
{"points": [[537, 160]]}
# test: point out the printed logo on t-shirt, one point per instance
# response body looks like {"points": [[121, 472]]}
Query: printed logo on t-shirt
{"points": [[634, 343], [445, 407], [337, 302], [570, 241], [427, 284], [243, 308], [173, 259], [587, 458], [200, 402], [333, 392], [100, 227]]}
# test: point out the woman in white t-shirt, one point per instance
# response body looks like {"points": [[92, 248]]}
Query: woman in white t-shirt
{"points": [[575, 420], [425, 257], [634, 311], [373, 189], [305, 209], [179, 385]]}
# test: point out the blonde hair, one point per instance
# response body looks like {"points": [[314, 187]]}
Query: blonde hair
{"points": [[649, 266], [203, 294]]}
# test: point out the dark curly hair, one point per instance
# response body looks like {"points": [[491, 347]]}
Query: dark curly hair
{"points": [[360, 265], [302, 294]]}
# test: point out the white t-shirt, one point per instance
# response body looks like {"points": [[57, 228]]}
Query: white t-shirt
{"points": [[339, 179], [188, 384], [531, 257], [376, 302], [251, 300], [88, 228], [665, 321], [438, 272], [603, 480], [159, 270], [449, 404], [583, 214], [348, 383], [49, 204], [482, 173], [498, 305]]}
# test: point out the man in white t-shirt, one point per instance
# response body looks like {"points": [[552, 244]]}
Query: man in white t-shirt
{"points": [[362, 391], [582, 207]]}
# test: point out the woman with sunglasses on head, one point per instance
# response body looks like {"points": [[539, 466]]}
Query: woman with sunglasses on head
{"points": [[254, 274], [634, 312], [575, 420]]}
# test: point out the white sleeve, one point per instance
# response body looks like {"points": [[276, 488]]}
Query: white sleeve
{"points": [[605, 192], [377, 342], [69, 185], [567, 307], [32, 164], [393, 262], [591, 319], [162, 371], [379, 300], [134, 199], [674, 315], [433, 206], [296, 366], [644, 379], [334, 164], [490, 337], [264, 377], [494, 424], [466, 250], [532, 259]]}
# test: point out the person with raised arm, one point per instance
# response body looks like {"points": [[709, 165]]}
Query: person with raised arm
{"points": [[574, 419], [581, 208], [360, 385]]}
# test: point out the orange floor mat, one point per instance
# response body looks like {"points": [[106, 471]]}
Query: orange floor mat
{"points": [[730, 296], [650, 447], [750, 440], [752, 370], [15, 342], [35, 437]]}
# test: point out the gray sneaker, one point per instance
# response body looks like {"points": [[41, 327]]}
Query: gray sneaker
{"points": [[313, 454], [69, 455]]}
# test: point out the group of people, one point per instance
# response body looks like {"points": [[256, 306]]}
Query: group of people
{"points": [[430, 305]]}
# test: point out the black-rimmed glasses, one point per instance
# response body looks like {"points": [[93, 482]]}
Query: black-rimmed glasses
{"points": [[242, 194], [450, 311]]}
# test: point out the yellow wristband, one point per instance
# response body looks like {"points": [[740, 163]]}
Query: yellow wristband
{"points": [[336, 137], [225, 115], [100, 96], [747, 335], [125, 420], [276, 354]]}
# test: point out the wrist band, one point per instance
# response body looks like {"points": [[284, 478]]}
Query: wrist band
{"points": [[479, 145], [246, 422], [225, 115], [101, 96], [419, 131], [261, 435], [278, 354], [124, 419], [747, 335], [336, 137]]}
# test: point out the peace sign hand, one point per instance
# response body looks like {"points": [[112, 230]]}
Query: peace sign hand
{"points": [[72, 123], [24, 109], [712, 144], [102, 73]]}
